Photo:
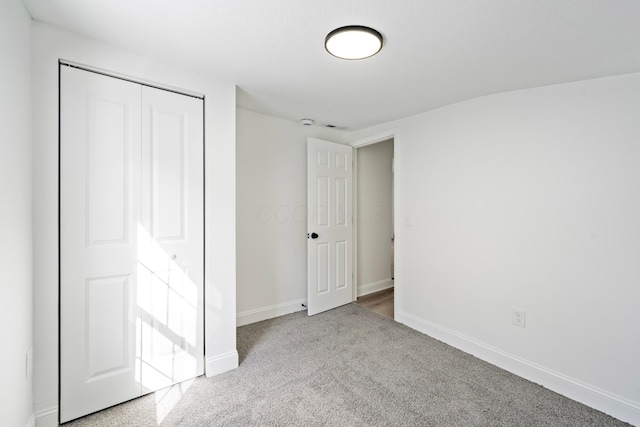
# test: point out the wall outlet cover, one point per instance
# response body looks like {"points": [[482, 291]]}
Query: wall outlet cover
{"points": [[518, 316]]}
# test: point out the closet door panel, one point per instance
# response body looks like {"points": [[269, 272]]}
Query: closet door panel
{"points": [[99, 207], [173, 229]]}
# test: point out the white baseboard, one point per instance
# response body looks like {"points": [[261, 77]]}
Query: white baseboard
{"points": [[31, 422], [369, 288], [47, 417], [599, 399], [264, 313], [221, 363]]}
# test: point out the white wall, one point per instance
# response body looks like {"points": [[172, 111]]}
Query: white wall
{"points": [[530, 199], [16, 286], [374, 216], [271, 214], [50, 44]]}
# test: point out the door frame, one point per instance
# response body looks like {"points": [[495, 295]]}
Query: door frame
{"points": [[142, 82], [359, 143]]}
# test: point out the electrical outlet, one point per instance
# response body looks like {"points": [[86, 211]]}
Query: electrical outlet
{"points": [[518, 316]]}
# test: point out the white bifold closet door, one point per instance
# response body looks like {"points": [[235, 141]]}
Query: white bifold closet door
{"points": [[131, 240]]}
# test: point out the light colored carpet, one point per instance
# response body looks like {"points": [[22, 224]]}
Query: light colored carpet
{"points": [[351, 367]]}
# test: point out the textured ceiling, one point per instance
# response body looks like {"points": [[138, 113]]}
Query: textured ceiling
{"points": [[436, 52]]}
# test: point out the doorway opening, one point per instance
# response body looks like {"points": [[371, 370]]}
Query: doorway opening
{"points": [[374, 237]]}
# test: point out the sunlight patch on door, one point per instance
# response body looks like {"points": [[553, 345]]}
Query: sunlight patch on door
{"points": [[167, 324]]}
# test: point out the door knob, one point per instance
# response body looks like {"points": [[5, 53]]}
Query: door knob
{"points": [[314, 235]]}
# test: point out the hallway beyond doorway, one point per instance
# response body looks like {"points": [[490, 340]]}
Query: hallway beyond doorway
{"points": [[380, 302]]}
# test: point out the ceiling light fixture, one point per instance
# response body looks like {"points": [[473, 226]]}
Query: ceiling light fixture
{"points": [[353, 42]]}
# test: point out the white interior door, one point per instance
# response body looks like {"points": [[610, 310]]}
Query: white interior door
{"points": [[131, 241], [329, 212]]}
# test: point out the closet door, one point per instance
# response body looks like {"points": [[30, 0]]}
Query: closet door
{"points": [[99, 210], [131, 236], [171, 239]]}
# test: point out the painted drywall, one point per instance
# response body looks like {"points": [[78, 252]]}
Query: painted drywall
{"points": [[16, 286], [529, 199], [374, 216], [50, 44], [271, 214]]}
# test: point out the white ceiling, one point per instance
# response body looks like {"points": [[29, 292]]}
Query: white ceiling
{"points": [[435, 52]]}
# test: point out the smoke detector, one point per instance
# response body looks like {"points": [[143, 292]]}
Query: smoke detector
{"points": [[307, 122]]}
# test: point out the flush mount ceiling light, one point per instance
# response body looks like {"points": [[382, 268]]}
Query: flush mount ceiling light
{"points": [[353, 42]]}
